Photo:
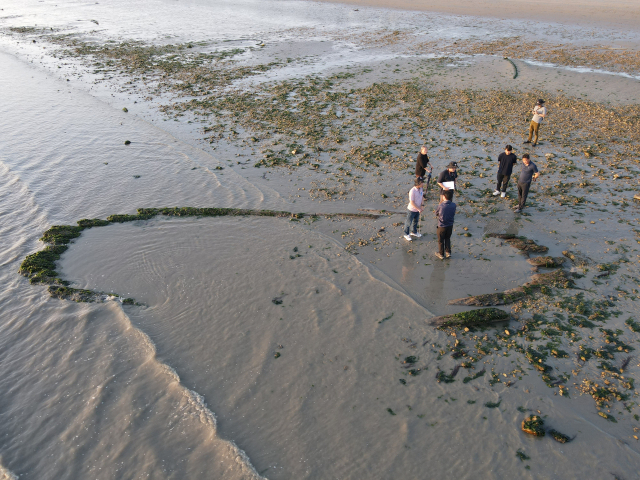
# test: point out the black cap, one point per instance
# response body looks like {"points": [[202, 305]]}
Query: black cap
{"points": [[540, 101], [452, 165]]}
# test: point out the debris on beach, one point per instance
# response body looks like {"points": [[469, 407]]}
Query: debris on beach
{"points": [[559, 437], [533, 425], [521, 243]]}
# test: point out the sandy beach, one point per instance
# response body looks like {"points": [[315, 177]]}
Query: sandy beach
{"points": [[598, 13], [204, 274]]}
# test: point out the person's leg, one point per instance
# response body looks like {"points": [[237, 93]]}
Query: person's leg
{"points": [[441, 233], [407, 223], [525, 192], [531, 127], [536, 127], [505, 182], [519, 194], [500, 177], [447, 239], [416, 218]]}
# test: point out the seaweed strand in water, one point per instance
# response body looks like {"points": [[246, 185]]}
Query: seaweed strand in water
{"points": [[40, 267]]}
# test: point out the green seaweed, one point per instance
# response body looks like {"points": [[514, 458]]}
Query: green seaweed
{"points": [[475, 318], [533, 425], [40, 267], [521, 455], [473, 377], [92, 222], [492, 404], [61, 234], [633, 325]]}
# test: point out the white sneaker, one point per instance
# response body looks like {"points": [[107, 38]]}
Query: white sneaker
{"points": [[497, 192], [417, 235], [503, 194], [407, 237]]}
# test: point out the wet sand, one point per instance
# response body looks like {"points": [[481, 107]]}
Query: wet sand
{"points": [[278, 347]]}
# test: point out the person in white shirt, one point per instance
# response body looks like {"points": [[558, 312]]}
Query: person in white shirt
{"points": [[539, 113], [414, 208]]}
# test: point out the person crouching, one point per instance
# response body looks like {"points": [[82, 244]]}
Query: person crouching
{"points": [[445, 213], [414, 208]]}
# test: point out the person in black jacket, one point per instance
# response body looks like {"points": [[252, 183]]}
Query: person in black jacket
{"points": [[422, 163], [506, 161], [448, 175]]}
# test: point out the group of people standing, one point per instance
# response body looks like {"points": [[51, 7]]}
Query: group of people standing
{"points": [[445, 212]]}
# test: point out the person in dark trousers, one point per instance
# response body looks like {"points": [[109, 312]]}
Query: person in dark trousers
{"points": [[414, 208], [445, 213], [422, 163], [529, 173], [449, 175], [506, 161], [539, 113]]}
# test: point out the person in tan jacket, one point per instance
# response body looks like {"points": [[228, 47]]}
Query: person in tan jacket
{"points": [[539, 113]]}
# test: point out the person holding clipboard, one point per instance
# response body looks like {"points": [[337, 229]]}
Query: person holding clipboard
{"points": [[447, 179]]}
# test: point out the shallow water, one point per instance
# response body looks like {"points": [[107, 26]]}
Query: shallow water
{"points": [[182, 387]]}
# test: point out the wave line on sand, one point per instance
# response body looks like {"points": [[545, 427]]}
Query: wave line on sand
{"points": [[197, 404]]}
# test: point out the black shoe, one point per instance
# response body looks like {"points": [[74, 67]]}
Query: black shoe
{"points": [[533, 144], [526, 141]]}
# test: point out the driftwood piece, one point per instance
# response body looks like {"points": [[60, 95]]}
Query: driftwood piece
{"points": [[556, 278]]}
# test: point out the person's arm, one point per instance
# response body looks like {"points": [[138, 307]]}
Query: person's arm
{"points": [[537, 174], [440, 180]]}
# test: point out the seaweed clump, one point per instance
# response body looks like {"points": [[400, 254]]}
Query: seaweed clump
{"points": [[533, 425], [40, 267], [547, 262], [74, 294], [521, 243], [559, 437], [473, 318]]}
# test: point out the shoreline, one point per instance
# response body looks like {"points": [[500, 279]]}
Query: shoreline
{"points": [[276, 322], [591, 12]]}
